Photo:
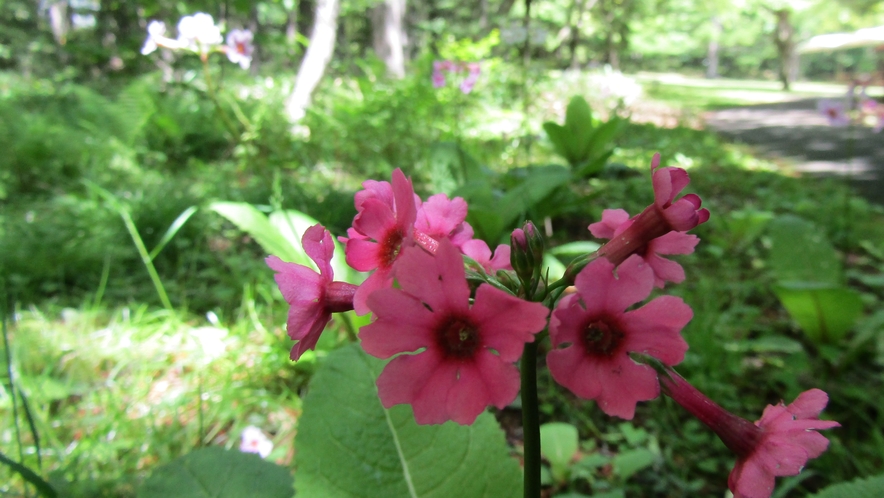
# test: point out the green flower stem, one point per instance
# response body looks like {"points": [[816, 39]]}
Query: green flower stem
{"points": [[530, 421], [210, 87]]}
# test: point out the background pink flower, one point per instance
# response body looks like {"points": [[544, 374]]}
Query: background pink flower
{"points": [[594, 336], [466, 353], [253, 440], [834, 111]]}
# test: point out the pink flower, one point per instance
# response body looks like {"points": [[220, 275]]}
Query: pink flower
{"points": [[479, 251], [834, 111], [663, 216], [458, 358], [594, 336], [384, 231], [312, 296], [239, 47], [438, 79], [441, 218], [616, 221], [777, 445], [253, 440]]}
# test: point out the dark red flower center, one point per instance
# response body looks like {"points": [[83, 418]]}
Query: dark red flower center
{"points": [[601, 338], [457, 338], [390, 247]]}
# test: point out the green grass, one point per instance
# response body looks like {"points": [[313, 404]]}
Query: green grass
{"points": [[116, 391], [700, 94]]}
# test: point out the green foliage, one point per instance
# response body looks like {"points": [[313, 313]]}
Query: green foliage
{"points": [[218, 473], [810, 280], [43, 488], [584, 143], [869, 487], [558, 443], [824, 313], [381, 452]]}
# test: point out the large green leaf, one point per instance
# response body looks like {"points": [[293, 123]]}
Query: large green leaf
{"points": [[870, 487], [218, 473], [248, 219], [800, 252], [825, 313], [349, 446]]}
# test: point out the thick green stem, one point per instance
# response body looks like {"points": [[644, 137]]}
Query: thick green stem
{"points": [[530, 421], [210, 87]]}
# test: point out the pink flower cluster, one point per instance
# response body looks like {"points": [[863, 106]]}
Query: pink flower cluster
{"points": [[861, 109], [453, 343], [473, 69]]}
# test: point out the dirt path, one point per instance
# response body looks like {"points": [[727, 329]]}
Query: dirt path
{"points": [[795, 131]]}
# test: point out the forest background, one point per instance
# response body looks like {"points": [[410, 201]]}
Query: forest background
{"points": [[140, 321]]}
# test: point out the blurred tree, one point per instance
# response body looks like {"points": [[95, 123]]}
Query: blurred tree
{"points": [[319, 52], [389, 35]]}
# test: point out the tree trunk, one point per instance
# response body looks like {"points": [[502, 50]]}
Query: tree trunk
{"points": [[388, 35], [319, 53], [579, 7], [785, 45], [59, 21], [712, 49]]}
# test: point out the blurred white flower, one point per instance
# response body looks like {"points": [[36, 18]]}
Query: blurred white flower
{"points": [[155, 29], [199, 32], [254, 441], [239, 47]]}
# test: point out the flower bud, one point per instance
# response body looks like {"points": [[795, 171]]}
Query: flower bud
{"points": [[526, 254]]}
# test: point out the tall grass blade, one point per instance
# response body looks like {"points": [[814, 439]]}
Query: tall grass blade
{"points": [[8, 350], [173, 229], [146, 258], [43, 487], [31, 425]]}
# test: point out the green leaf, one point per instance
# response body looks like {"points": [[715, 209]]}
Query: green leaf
{"points": [[574, 249], [561, 139], [553, 267], [824, 313], [744, 226], [349, 446], [451, 167], [629, 462], [558, 443], [869, 487], [43, 487], [535, 185], [248, 219], [218, 473], [799, 252], [578, 116]]}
